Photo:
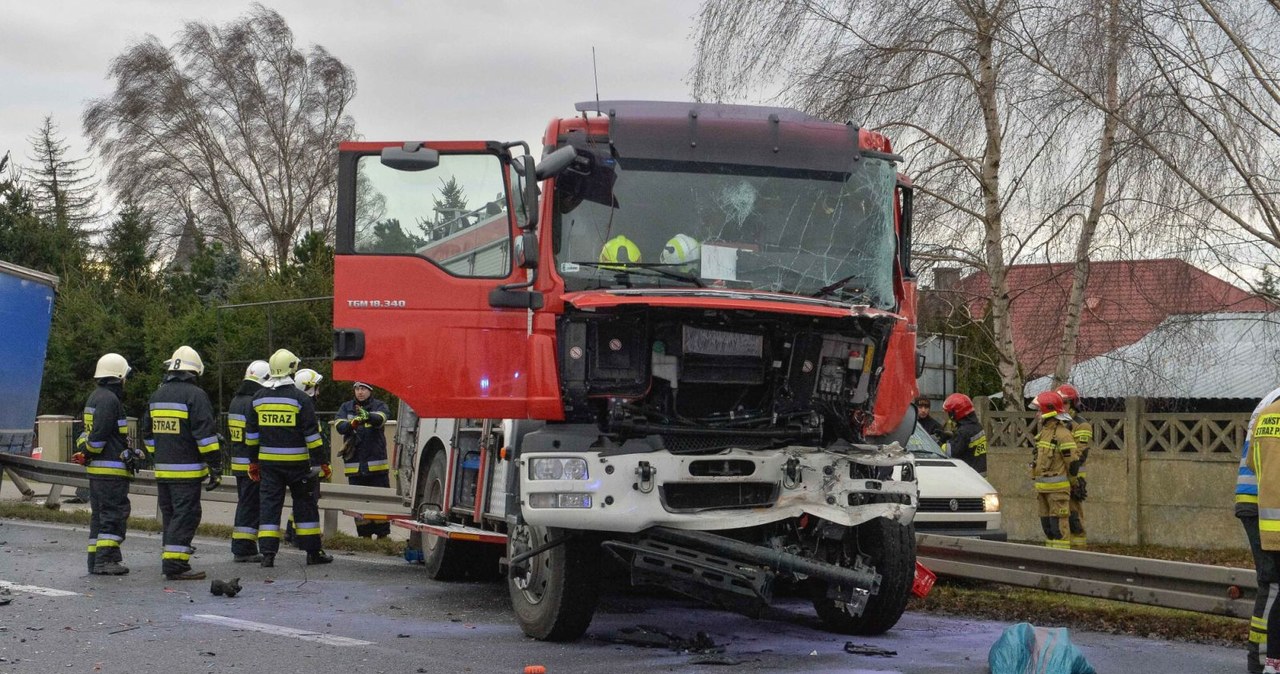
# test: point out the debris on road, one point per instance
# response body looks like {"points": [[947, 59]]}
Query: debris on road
{"points": [[1024, 648], [868, 649], [715, 659], [5, 596], [648, 636], [225, 587]]}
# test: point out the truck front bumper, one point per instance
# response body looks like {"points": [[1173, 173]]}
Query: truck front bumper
{"points": [[728, 490]]}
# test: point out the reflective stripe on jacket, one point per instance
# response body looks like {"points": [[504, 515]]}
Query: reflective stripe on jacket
{"points": [[1264, 449]]}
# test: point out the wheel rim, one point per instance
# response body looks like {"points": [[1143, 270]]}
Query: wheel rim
{"points": [[432, 504], [533, 586]]}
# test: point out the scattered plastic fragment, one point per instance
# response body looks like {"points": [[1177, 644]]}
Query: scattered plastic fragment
{"points": [[229, 588], [868, 649]]}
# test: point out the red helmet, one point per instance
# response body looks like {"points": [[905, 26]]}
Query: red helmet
{"points": [[1049, 403], [957, 406], [1069, 394]]}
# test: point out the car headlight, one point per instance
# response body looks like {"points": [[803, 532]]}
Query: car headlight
{"points": [[991, 503], [557, 468]]}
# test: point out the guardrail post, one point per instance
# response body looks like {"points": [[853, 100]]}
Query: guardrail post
{"points": [[329, 517], [1133, 409]]}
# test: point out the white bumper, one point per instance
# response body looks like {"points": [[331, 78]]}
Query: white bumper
{"points": [[676, 497]]}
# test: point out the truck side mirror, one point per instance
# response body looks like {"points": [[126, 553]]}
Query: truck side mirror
{"points": [[410, 157], [526, 251], [557, 161], [529, 184]]}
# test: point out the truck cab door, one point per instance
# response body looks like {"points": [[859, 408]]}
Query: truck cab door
{"points": [[425, 235]]}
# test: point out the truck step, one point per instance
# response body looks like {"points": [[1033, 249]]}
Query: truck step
{"points": [[376, 517], [453, 531]]}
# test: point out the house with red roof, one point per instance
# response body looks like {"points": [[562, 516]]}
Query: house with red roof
{"points": [[1124, 301]]}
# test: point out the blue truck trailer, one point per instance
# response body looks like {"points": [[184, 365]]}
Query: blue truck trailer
{"points": [[26, 311]]}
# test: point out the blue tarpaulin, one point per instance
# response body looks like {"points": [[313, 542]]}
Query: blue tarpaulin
{"points": [[26, 310], [1027, 649]]}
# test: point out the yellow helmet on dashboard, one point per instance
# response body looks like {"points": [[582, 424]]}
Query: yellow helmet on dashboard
{"points": [[619, 249]]}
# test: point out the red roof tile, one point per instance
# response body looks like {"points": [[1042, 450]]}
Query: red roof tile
{"points": [[1124, 300]]}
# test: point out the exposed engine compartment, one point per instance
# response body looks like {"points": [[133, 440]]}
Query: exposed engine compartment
{"points": [[705, 380]]}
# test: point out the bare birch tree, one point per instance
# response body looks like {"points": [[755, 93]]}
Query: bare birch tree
{"points": [[231, 125]]}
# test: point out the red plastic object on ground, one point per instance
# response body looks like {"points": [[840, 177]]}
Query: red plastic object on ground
{"points": [[923, 582]]}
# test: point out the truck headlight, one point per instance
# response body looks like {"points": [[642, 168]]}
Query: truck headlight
{"points": [[991, 503], [557, 468], [561, 500]]}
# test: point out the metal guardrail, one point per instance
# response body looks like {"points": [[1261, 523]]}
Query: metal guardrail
{"points": [[1192, 587], [333, 497]]}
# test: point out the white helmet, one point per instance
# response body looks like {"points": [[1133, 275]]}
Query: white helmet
{"points": [[258, 371], [185, 359], [283, 363], [112, 365], [308, 381], [681, 249]]}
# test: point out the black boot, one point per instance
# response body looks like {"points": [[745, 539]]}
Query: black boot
{"points": [[254, 558], [185, 575], [110, 569], [319, 557], [268, 561]]}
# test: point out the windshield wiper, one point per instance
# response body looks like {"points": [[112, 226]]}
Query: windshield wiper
{"points": [[838, 285], [652, 267]]}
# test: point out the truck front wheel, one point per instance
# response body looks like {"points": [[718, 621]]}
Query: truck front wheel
{"points": [[891, 548], [553, 594], [445, 559]]}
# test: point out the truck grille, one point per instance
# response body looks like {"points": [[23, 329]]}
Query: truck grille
{"points": [[702, 444], [943, 505], [695, 496]]}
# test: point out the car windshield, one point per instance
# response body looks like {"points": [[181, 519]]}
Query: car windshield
{"points": [[921, 444], [814, 233]]}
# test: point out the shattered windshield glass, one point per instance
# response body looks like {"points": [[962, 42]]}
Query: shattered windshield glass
{"points": [[644, 223]]}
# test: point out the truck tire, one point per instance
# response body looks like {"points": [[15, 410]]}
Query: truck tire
{"points": [[445, 559], [891, 548], [556, 598]]}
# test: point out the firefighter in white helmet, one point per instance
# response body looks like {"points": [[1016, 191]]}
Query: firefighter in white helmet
{"points": [[109, 460], [244, 537], [181, 432], [285, 433]]}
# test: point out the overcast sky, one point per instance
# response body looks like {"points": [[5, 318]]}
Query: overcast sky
{"points": [[425, 69]]}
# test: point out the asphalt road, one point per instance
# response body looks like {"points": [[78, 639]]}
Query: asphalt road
{"points": [[382, 615]]}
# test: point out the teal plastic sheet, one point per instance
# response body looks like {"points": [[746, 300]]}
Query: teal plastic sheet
{"points": [[1027, 649]]}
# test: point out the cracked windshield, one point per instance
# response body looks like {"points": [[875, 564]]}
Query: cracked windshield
{"points": [[668, 224]]}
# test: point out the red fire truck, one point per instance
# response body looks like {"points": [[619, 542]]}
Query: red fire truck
{"points": [[683, 343]]}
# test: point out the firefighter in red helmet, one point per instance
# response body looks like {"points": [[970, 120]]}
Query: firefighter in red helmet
{"points": [[1082, 431], [1055, 449], [969, 443]]}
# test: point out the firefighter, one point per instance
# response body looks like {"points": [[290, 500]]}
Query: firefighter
{"points": [[1082, 431], [1264, 454], [1053, 453], [109, 461], [307, 381], [285, 437], [969, 443], [180, 431], [619, 249], [1263, 563], [364, 452], [244, 537]]}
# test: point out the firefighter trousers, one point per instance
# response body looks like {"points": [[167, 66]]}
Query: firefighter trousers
{"points": [[108, 519], [1055, 512], [366, 528], [1268, 591], [1076, 519], [180, 509], [244, 537], [298, 481]]}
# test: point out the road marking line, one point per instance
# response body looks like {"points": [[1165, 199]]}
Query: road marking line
{"points": [[34, 589], [277, 630]]}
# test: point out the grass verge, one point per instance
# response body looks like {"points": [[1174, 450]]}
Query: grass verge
{"points": [[338, 541]]}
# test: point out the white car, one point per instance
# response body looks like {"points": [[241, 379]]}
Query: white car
{"points": [[955, 500]]}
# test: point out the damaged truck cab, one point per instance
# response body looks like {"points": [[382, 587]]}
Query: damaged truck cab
{"points": [[692, 353]]}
